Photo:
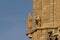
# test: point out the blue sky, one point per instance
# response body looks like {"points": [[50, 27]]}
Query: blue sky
{"points": [[13, 18]]}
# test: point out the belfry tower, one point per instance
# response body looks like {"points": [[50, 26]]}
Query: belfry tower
{"points": [[45, 20]]}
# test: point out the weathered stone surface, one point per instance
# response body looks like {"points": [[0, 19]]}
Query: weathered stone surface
{"points": [[57, 12], [49, 11], [34, 36]]}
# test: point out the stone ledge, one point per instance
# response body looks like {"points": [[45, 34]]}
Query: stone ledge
{"points": [[41, 28]]}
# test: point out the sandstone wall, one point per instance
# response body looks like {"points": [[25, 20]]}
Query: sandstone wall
{"points": [[46, 8], [40, 35]]}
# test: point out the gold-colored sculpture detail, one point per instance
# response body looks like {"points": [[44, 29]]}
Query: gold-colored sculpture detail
{"points": [[29, 23]]}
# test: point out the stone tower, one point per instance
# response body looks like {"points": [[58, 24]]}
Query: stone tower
{"points": [[45, 20]]}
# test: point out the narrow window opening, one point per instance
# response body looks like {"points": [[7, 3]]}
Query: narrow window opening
{"points": [[56, 38], [36, 22], [50, 38], [50, 35]]}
